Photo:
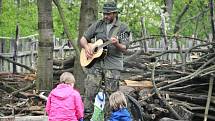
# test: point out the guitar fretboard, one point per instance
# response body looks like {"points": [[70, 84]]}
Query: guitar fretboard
{"points": [[122, 36]]}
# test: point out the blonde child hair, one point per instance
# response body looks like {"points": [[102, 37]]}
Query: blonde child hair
{"points": [[117, 100], [67, 78]]}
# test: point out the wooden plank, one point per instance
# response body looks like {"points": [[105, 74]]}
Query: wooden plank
{"points": [[20, 45], [1, 51], [26, 53], [28, 44], [1, 45], [30, 36], [6, 66], [27, 61], [12, 42], [1, 64], [31, 118], [4, 45], [145, 84], [7, 118], [19, 60]]}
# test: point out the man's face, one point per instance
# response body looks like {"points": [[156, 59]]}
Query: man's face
{"points": [[109, 17]]}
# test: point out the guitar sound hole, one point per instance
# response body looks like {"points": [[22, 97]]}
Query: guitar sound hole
{"points": [[95, 50]]}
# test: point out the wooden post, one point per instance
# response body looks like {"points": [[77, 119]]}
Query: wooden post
{"points": [[143, 33], [15, 48], [1, 49]]}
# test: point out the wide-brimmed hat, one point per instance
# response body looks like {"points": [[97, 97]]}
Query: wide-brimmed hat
{"points": [[110, 7]]}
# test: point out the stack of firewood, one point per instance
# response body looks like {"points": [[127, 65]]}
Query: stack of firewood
{"points": [[18, 96], [180, 90], [159, 88]]}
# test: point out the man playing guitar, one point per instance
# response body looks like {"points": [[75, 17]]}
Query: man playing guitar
{"points": [[110, 29]]}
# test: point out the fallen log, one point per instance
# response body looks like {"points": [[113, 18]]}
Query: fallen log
{"points": [[194, 98], [24, 118], [31, 118], [17, 110], [59, 72], [68, 61], [210, 116]]}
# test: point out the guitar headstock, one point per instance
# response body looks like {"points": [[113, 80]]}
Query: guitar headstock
{"points": [[124, 36]]}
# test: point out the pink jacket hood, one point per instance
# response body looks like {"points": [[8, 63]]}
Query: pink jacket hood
{"points": [[60, 91], [64, 104]]}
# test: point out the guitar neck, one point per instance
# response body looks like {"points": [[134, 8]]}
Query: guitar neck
{"points": [[104, 44], [122, 35]]}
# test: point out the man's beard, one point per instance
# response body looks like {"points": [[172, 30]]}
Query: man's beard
{"points": [[108, 21]]}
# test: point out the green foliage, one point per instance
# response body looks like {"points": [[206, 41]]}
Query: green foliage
{"points": [[25, 16], [135, 10], [71, 13], [7, 23], [195, 21]]}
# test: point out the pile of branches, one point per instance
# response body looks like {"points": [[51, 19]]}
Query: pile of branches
{"points": [[181, 90], [18, 96]]}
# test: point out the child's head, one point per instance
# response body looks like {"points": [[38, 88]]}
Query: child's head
{"points": [[67, 78], [117, 100]]}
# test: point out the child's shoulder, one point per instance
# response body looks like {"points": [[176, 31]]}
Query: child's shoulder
{"points": [[76, 91]]}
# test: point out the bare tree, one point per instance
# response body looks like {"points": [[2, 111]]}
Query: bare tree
{"points": [[212, 18], [168, 6], [177, 28], [45, 46]]}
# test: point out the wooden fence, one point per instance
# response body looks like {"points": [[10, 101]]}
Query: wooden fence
{"points": [[156, 44], [27, 50]]}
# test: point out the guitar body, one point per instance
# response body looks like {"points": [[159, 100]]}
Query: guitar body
{"points": [[98, 54]]}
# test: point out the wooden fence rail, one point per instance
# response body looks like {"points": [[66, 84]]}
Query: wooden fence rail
{"points": [[27, 50], [157, 45]]}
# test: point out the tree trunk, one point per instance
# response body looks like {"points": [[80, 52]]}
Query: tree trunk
{"points": [[212, 19], [169, 6], [78, 71], [168, 9], [45, 46], [88, 15]]}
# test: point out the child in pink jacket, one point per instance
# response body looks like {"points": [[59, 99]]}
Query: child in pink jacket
{"points": [[64, 102]]}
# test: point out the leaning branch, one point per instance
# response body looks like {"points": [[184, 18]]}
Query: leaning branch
{"points": [[65, 26], [209, 97]]}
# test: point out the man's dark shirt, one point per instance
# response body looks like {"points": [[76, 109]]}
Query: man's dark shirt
{"points": [[98, 30]]}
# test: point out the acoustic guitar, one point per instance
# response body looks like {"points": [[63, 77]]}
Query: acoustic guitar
{"points": [[98, 51]]}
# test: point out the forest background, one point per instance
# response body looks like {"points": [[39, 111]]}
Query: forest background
{"points": [[167, 21], [195, 21], [187, 18]]}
